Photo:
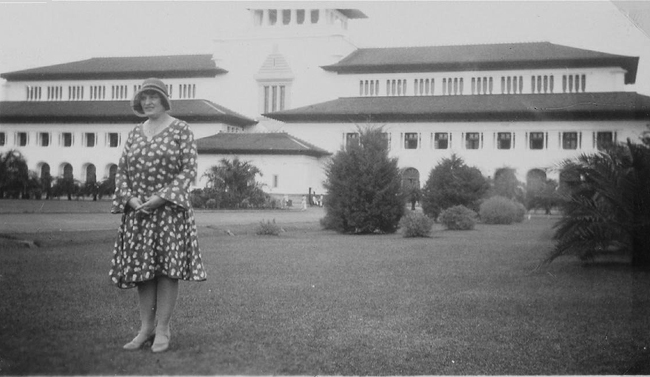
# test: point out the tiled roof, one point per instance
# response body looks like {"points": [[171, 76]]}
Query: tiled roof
{"points": [[522, 107], [479, 58], [257, 143], [138, 67], [112, 111]]}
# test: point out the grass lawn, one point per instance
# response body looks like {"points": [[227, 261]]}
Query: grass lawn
{"points": [[313, 302]]}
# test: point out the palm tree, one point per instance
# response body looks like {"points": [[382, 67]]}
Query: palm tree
{"points": [[606, 205], [234, 180]]}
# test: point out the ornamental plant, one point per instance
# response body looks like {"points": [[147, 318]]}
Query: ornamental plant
{"points": [[416, 224], [500, 210], [458, 218], [269, 228], [363, 186], [453, 183]]}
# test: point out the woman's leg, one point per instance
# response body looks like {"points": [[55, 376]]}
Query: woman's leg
{"points": [[147, 296], [167, 294], [147, 304]]}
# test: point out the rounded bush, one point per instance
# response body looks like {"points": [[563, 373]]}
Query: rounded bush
{"points": [[499, 210], [416, 224], [458, 218], [211, 204]]}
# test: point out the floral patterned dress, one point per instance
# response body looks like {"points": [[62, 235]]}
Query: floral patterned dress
{"points": [[164, 242]]}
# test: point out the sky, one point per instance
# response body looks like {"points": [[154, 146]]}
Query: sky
{"points": [[41, 33]]}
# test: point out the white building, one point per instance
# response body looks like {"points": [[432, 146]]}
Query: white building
{"points": [[293, 89]]}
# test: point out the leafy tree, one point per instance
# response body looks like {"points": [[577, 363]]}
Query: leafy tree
{"points": [[68, 186], [91, 188], [233, 184], [507, 185], [107, 187], [453, 183], [413, 194], [543, 195], [14, 175], [607, 206], [363, 186], [46, 184]]}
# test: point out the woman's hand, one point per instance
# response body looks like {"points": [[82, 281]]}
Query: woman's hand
{"points": [[151, 204], [135, 203]]}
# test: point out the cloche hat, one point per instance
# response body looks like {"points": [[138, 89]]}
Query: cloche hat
{"points": [[152, 84]]}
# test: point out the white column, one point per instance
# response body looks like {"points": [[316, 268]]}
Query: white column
{"points": [[265, 17], [294, 17]]}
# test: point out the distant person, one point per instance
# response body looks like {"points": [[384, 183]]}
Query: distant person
{"points": [[157, 243]]}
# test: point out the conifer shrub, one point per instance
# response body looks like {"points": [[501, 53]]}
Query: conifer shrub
{"points": [[364, 188], [458, 218], [416, 224], [499, 210], [268, 228]]}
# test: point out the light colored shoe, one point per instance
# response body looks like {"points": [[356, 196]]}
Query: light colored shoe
{"points": [[161, 342], [138, 342]]}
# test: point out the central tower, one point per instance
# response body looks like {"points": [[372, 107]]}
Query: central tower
{"points": [[275, 62]]}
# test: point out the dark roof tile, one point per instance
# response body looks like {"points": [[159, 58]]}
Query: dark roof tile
{"points": [[136, 67], [523, 107], [113, 111], [479, 58], [257, 143]]}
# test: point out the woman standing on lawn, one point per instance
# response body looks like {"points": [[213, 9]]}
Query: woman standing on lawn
{"points": [[157, 242]]}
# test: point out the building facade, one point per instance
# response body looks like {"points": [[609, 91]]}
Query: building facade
{"points": [[293, 89]]}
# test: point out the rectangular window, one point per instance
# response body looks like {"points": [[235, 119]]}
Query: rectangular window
{"points": [[2, 139], [66, 139], [113, 140], [89, 139], [21, 139], [275, 181], [275, 98], [351, 139], [536, 140], [44, 139], [569, 140], [441, 140], [411, 140], [472, 140], [604, 140], [504, 140]]}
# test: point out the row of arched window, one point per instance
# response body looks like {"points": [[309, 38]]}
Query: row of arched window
{"points": [[66, 170]]}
